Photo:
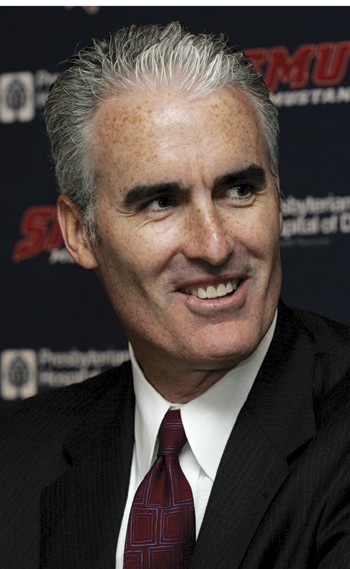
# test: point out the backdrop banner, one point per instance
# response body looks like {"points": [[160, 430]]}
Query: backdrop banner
{"points": [[57, 325]]}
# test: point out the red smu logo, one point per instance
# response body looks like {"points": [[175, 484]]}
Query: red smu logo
{"points": [[324, 64], [40, 232]]}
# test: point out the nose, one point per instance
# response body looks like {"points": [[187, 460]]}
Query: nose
{"points": [[207, 236]]}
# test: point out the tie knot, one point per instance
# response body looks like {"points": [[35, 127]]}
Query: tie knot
{"points": [[172, 435]]}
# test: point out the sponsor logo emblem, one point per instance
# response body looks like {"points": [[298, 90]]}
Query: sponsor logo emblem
{"points": [[17, 97], [18, 374], [26, 372], [23, 93]]}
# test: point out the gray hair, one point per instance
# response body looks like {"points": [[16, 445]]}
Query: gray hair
{"points": [[140, 58]]}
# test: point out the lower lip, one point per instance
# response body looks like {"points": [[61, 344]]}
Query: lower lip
{"points": [[221, 303]]}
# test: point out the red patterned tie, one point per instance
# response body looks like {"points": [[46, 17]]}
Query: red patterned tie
{"points": [[161, 530]]}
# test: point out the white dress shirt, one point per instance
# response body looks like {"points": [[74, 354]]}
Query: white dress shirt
{"points": [[208, 421]]}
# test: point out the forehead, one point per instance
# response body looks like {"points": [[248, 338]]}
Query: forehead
{"points": [[139, 135]]}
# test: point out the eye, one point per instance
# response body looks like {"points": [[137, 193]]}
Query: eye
{"points": [[240, 192], [160, 203]]}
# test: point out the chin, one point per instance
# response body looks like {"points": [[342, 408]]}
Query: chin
{"points": [[218, 355]]}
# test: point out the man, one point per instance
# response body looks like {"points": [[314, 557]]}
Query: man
{"points": [[166, 156]]}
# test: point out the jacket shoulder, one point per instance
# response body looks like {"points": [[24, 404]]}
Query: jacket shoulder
{"points": [[331, 382], [329, 333], [53, 414], [327, 336]]}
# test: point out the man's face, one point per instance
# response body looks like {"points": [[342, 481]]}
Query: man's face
{"points": [[188, 222]]}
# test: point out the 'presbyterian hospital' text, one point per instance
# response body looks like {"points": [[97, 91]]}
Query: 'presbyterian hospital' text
{"points": [[315, 216]]}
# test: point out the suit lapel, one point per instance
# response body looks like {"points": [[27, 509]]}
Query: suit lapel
{"points": [[276, 420], [82, 510], [249, 476]]}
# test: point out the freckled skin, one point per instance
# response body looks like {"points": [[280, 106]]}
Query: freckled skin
{"points": [[143, 256]]}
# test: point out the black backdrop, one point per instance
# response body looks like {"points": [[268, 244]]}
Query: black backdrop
{"points": [[56, 325]]}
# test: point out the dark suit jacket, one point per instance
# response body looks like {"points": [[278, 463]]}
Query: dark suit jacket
{"points": [[281, 498]]}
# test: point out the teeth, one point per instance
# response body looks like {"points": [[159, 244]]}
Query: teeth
{"points": [[221, 290], [200, 293], [212, 291]]}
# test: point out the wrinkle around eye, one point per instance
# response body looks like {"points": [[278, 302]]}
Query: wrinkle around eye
{"points": [[158, 206], [140, 208]]}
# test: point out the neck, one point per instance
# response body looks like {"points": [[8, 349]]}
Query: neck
{"points": [[180, 386]]}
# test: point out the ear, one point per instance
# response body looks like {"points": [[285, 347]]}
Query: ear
{"points": [[74, 233]]}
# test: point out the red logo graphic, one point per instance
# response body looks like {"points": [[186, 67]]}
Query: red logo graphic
{"points": [[40, 233], [324, 64], [91, 9], [88, 9]]}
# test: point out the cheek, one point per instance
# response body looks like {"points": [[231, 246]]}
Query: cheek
{"points": [[262, 236], [155, 243], [132, 256]]}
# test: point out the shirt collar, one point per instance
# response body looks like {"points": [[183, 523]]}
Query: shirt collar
{"points": [[150, 409], [208, 420]]}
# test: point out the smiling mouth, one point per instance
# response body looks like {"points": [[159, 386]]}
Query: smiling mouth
{"points": [[210, 292]]}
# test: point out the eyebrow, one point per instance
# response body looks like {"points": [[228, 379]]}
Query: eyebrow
{"points": [[253, 173], [142, 192]]}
